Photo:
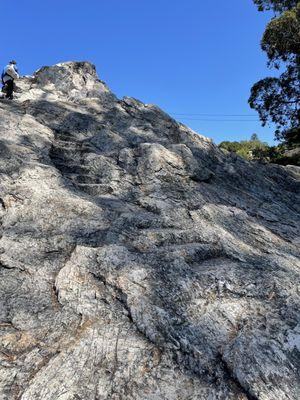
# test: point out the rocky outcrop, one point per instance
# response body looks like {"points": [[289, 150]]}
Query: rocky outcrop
{"points": [[138, 261]]}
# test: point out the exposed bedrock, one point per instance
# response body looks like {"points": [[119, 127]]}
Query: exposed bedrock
{"points": [[137, 261]]}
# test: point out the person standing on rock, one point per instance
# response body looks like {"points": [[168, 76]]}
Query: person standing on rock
{"points": [[9, 74]]}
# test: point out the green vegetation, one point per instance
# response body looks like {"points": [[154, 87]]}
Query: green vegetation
{"points": [[245, 148], [277, 100], [256, 150], [275, 5]]}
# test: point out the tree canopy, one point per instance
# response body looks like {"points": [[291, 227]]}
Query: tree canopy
{"points": [[275, 5], [247, 149], [256, 150], [277, 99], [281, 40]]}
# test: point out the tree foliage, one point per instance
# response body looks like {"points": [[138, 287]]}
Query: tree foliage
{"points": [[254, 137], [281, 40], [256, 150], [245, 148], [275, 5], [277, 99]]}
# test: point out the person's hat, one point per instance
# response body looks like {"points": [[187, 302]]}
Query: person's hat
{"points": [[13, 62]]}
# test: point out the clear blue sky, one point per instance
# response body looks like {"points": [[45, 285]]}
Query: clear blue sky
{"points": [[188, 57]]}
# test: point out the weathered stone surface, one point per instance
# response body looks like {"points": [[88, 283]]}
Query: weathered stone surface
{"points": [[137, 261]]}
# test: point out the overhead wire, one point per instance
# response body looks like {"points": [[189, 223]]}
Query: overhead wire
{"points": [[220, 120], [215, 115], [189, 117]]}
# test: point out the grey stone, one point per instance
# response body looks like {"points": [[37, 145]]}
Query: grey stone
{"points": [[137, 260]]}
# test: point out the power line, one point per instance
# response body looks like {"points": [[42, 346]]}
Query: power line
{"points": [[220, 120], [215, 115]]}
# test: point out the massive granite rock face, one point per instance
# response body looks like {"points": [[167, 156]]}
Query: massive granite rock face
{"points": [[137, 260]]}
